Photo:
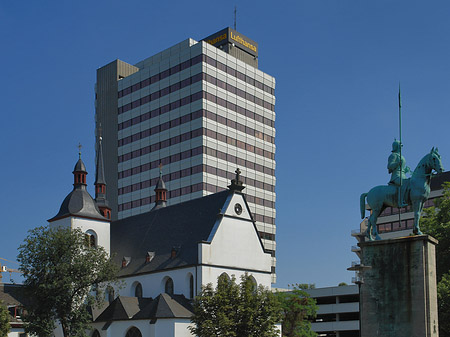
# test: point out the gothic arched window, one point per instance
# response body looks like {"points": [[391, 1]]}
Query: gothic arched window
{"points": [[133, 332], [138, 291], [191, 286], [168, 288]]}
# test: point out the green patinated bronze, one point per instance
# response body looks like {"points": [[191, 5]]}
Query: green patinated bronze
{"points": [[414, 191]]}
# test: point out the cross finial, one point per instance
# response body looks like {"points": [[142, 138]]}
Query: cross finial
{"points": [[238, 172], [79, 150], [236, 183]]}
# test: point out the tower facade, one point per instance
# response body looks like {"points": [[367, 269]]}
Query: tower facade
{"points": [[201, 109]]}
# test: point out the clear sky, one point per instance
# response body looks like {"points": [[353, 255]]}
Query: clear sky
{"points": [[337, 64]]}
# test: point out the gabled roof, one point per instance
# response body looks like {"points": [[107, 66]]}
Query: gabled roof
{"points": [[11, 294], [178, 227], [131, 308]]}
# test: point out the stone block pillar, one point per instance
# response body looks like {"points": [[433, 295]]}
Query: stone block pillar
{"points": [[398, 296]]}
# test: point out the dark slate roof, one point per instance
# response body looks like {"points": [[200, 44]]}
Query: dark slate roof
{"points": [[79, 166], [167, 306], [100, 171], [11, 294], [160, 185], [131, 308], [180, 227], [79, 203], [439, 179]]}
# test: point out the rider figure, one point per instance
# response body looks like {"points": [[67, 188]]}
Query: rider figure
{"points": [[396, 166]]}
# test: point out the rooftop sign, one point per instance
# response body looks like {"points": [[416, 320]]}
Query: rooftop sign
{"points": [[229, 35]]}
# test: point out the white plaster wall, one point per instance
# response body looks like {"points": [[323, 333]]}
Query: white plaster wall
{"points": [[234, 245], [162, 328], [153, 284], [210, 275], [101, 228], [181, 328], [65, 222]]}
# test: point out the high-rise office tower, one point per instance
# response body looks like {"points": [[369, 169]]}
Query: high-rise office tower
{"points": [[199, 110]]}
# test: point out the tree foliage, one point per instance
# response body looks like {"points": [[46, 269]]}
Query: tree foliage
{"points": [[297, 309], [4, 320], [436, 222], [60, 272], [232, 310]]}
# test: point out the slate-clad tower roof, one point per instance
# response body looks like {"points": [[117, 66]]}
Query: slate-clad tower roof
{"points": [[79, 202], [100, 184], [160, 192]]}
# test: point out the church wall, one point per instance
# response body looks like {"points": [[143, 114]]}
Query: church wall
{"points": [[153, 284], [176, 327], [235, 245], [101, 229], [211, 274]]}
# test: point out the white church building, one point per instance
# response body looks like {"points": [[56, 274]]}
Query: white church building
{"points": [[165, 255]]}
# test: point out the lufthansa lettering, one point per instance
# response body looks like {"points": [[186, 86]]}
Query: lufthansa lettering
{"points": [[240, 40], [217, 39]]}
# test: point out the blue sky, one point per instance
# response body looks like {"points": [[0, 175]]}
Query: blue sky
{"points": [[337, 65]]}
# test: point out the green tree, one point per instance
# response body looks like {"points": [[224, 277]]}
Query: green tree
{"points": [[436, 222], [4, 320], [60, 273], [232, 310], [297, 309]]}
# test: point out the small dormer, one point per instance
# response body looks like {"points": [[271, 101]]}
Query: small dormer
{"points": [[149, 257], [126, 261]]}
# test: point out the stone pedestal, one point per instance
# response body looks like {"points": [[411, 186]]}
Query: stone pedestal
{"points": [[398, 296]]}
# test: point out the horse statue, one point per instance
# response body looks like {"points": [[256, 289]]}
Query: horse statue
{"points": [[415, 192]]}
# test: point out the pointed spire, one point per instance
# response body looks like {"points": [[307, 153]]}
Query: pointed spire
{"points": [[79, 171], [160, 191], [100, 182], [100, 172]]}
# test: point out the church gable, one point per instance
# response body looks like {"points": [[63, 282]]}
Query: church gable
{"points": [[234, 241]]}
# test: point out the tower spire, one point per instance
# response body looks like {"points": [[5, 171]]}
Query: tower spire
{"points": [[100, 182], [160, 191]]}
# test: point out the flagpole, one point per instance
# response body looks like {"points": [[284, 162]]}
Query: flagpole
{"points": [[400, 201]]}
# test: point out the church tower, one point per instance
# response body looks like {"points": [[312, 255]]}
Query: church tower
{"points": [[79, 210], [100, 184]]}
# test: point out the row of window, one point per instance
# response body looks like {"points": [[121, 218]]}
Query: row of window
{"points": [[267, 236], [239, 92], [235, 73], [264, 218], [161, 93], [179, 85], [171, 194], [190, 135], [160, 76], [394, 210], [192, 98], [187, 190], [190, 117], [162, 145], [195, 152], [395, 226], [191, 171], [189, 63]]}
